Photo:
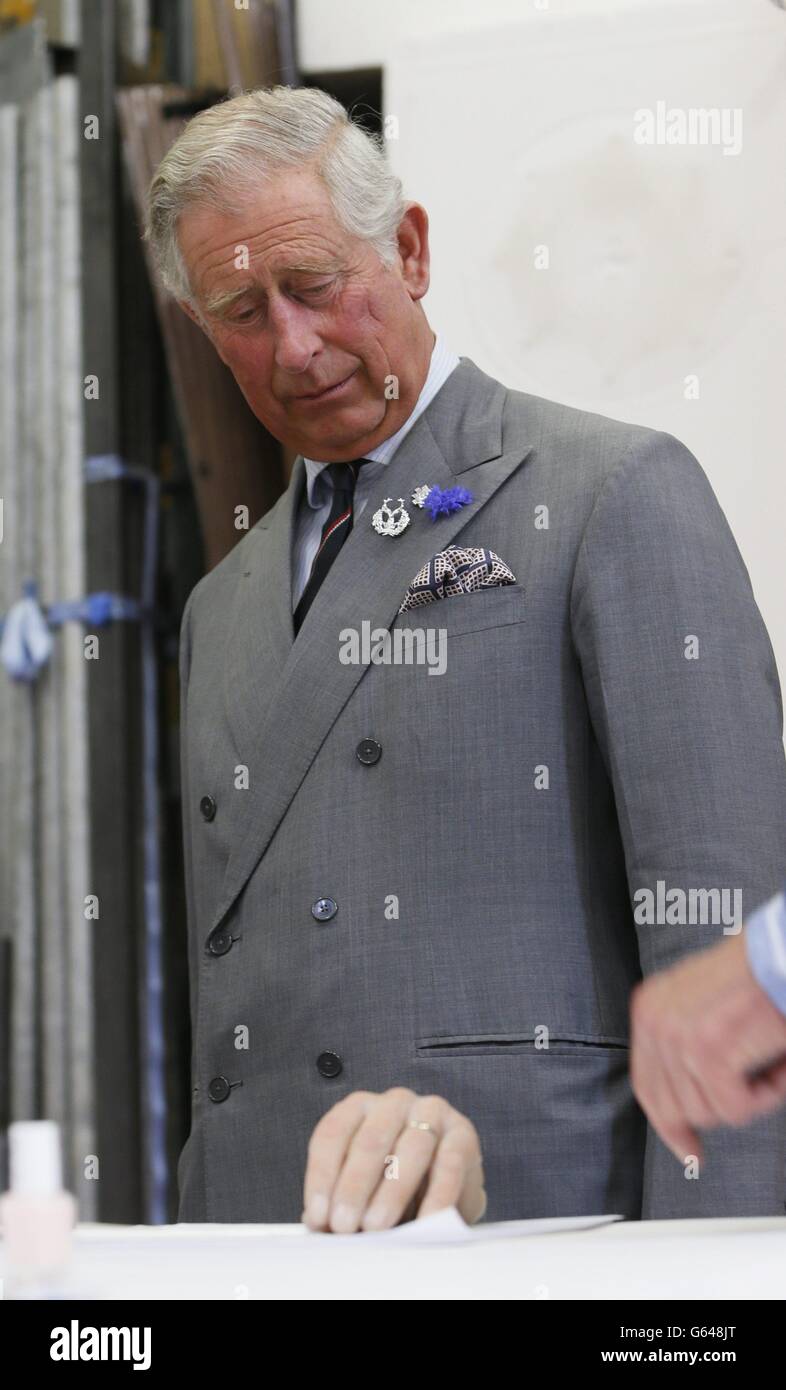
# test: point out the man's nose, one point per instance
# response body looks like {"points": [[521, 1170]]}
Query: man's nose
{"points": [[294, 340]]}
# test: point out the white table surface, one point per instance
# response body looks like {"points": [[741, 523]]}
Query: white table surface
{"points": [[724, 1259]]}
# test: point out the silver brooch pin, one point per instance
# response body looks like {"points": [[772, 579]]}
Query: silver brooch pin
{"points": [[390, 521], [420, 494]]}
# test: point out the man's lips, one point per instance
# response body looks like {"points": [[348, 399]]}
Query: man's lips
{"points": [[327, 391]]}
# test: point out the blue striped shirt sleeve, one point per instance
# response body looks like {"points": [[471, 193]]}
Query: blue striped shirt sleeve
{"points": [[765, 941]]}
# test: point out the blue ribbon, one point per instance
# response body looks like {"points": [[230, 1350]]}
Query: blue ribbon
{"points": [[26, 644]]}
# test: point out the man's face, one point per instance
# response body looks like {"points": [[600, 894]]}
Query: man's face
{"points": [[294, 304]]}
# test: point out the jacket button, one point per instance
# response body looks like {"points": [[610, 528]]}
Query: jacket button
{"points": [[329, 1064], [219, 943], [208, 807], [368, 751], [323, 909], [218, 1089]]}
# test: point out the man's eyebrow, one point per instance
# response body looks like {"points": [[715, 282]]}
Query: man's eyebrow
{"points": [[313, 268], [221, 302]]}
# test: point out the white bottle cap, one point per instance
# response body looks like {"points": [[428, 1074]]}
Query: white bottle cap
{"points": [[34, 1156]]}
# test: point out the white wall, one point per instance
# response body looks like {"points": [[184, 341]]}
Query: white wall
{"points": [[515, 131], [344, 34]]}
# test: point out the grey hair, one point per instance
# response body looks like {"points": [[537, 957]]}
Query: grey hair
{"points": [[229, 149]]}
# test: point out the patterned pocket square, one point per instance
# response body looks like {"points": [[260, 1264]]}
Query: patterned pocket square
{"points": [[456, 570]]}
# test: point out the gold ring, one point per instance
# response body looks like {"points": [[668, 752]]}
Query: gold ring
{"points": [[423, 1124]]}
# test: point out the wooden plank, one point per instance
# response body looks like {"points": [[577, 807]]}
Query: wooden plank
{"points": [[133, 33], [24, 62], [113, 681], [10, 395], [148, 416], [26, 1061], [229, 45], [62, 21], [46, 500], [288, 67], [74, 809], [209, 70], [257, 40], [256, 43], [232, 458]]}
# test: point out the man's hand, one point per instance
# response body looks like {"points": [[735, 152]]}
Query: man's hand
{"points": [[372, 1163], [699, 1032]]}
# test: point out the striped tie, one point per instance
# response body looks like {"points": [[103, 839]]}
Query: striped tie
{"points": [[334, 532]]}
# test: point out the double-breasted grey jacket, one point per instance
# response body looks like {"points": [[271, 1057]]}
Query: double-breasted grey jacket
{"points": [[396, 877]]}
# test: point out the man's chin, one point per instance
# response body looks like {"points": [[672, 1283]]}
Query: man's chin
{"points": [[344, 436]]}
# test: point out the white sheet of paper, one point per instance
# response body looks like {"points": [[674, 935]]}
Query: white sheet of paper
{"points": [[443, 1228], [448, 1228]]}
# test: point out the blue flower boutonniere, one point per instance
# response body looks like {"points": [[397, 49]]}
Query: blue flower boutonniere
{"points": [[441, 501]]}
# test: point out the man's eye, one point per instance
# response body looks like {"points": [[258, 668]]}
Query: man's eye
{"points": [[316, 289]]}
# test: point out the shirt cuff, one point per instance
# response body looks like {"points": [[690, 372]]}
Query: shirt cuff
{"points": [[765, 942]]}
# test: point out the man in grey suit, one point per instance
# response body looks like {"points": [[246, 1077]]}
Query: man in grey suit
{"points": [[420, 891]]}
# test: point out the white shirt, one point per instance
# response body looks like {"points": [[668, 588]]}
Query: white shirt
{"points": [[319, 488]]}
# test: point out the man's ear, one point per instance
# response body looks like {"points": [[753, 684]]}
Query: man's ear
{"points": [[413, 249]]}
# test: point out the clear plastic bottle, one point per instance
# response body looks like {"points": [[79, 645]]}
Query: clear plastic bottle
{"points": [[37, 1216]]}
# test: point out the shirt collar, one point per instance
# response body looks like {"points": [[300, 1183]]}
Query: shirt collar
{"points": [[442, 363]]}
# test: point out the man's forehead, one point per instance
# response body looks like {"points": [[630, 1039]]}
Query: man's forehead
{"points": [[284, 205], [285, 239]]}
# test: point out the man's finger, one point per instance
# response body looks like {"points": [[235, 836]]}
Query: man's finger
{"points": [[652, 1083], [364, 1162], [413, 1154], [456, 1175], [327, 1149], [654, 1091]]}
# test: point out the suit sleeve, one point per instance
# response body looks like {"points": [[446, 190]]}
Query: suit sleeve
{"points": [[685, 703]]}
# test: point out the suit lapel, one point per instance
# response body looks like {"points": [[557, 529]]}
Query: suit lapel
{"points": [[283, 696], [261, 631]]}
